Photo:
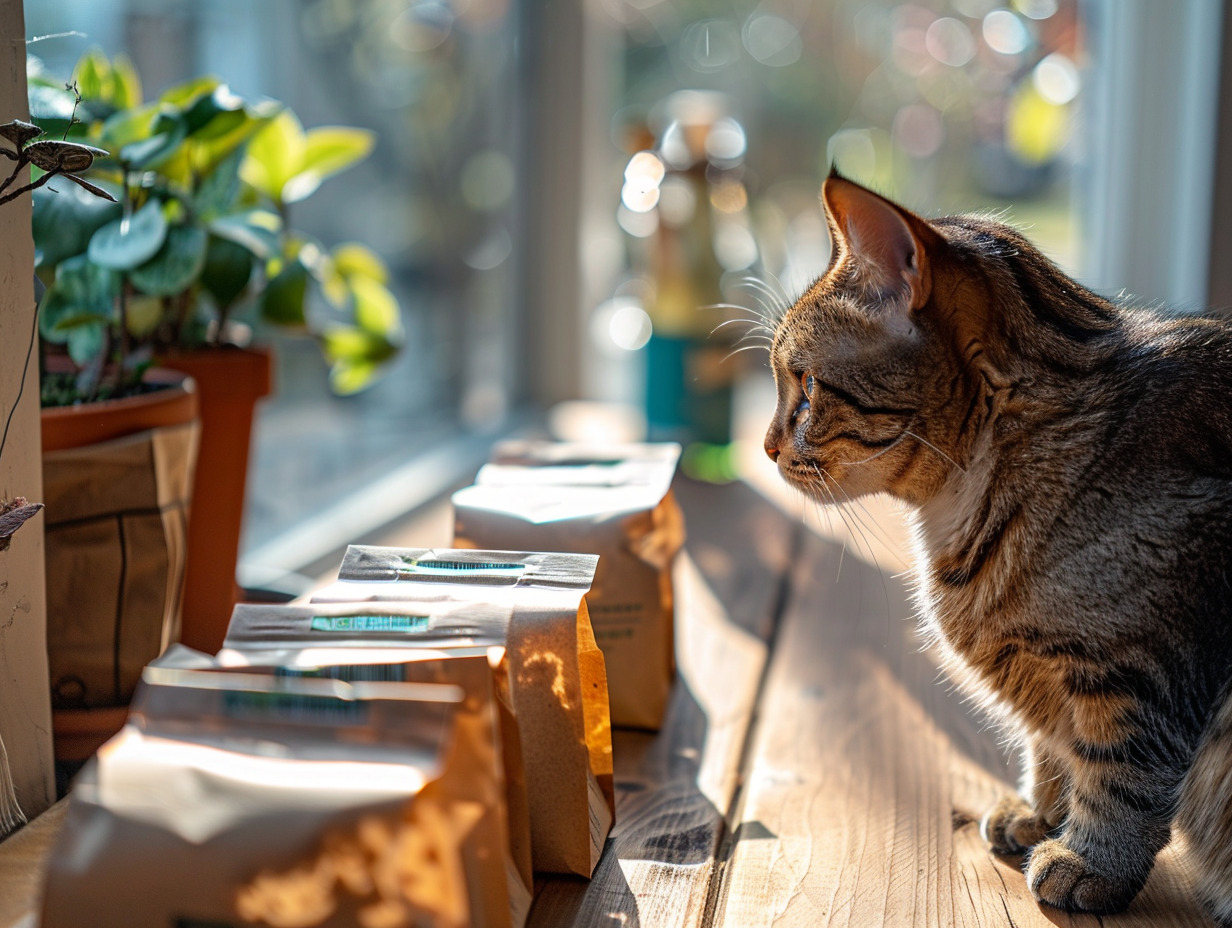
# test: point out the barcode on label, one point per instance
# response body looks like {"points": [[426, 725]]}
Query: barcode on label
{"points": [[403, 624], [292, 707], [350, 673], [441, 566]]}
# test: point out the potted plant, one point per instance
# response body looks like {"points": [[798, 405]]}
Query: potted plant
{"points": [[97, 656], [196, 254]]}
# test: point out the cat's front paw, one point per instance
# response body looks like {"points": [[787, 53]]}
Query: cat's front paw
{"points": [[1012, 826], [1062, 878]]}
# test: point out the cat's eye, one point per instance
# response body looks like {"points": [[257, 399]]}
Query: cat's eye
{"points": [[808, 381]]}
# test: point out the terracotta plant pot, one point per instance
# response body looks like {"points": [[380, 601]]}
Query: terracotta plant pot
{"points": [[229, 380], [117, 479], [66, 427]]}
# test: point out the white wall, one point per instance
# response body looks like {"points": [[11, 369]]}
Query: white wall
{"points": [[25, 714]]}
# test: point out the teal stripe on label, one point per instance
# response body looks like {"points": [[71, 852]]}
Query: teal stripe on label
{"points": [[403, 624], [440, 567]]}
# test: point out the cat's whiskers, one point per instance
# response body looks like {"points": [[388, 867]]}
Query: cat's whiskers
{"points": [[777, 295], [755, 326], [735, 351], [860, 530], [888, 448], [757, 320], [774, 304], [928, 444]]}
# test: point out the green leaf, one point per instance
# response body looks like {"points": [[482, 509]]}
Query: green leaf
{"points": [[177, 264], [82, 294], [126, 243], [258, 230], [92, 74], [143, 314], [220, 188], [86, 341], [128, 126], [355, 357], [352, 259], [349, 377], [327, 150], [182, 95], [227, 270], [215, 114], [376, 310], [65, 217], [125, 83], [275, 155], [282, 303], [150, 152]]}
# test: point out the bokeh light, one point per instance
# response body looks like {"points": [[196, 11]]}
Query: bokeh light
{"points": [[950, 42], [726, 142], [1057, 79], [772, 40], [710, 45], [487, 180], [677, 201], [918, 130], [638, 224], [1037, 9], [1006, 33]]}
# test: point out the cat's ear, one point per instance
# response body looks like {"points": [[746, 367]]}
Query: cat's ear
{"points": [[891, 243]]}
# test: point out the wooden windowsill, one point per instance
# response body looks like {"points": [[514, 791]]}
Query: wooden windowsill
{"points": [[812, 770]]}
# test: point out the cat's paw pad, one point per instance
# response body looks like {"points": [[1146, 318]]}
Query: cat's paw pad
{"points": [[1012, 826], [1062, 878]]}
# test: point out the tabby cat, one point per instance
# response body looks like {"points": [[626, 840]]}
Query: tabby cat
{"points": [[1068, 462]]}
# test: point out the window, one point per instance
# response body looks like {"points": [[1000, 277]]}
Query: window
{"points": [[438, 200], [507, 130]]}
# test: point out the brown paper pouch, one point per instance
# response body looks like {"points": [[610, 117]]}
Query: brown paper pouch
{"points": [[558, 687], [614, 502], [412, 642], [117, 526], [246, 799]]}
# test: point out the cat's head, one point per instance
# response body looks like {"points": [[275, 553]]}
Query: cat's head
{"points": [[878, 364]]}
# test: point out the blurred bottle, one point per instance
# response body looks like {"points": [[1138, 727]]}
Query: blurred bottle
{"points": [[689, 377]]}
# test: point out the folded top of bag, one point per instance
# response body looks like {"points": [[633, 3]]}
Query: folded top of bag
{"points": [[469, 567], [323, 634], [544, 463]]}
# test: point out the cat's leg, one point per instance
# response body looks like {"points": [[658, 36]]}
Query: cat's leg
{"points": [[1205, 815], [1015, 825], [1120, 815]]}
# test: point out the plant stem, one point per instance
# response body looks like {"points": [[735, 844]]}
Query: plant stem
{"points": [[26, 189], [21, 163], [21, 386], [127, 208]]}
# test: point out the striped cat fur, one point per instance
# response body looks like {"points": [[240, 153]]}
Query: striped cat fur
{"points": [[1068, 463]]}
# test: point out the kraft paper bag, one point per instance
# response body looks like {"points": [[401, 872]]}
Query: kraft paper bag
{"points": [[117, 530], [613, 501], [236, 799], [412, 643], [558, 683]]}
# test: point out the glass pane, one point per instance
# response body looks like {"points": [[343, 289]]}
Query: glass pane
{"points": [[729, 116], [437, 82]]}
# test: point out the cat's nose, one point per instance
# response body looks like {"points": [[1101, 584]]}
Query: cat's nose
{"points": [[771, 451]]}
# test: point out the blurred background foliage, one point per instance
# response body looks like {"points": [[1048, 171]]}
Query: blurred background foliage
{"points": [[946, 104]]}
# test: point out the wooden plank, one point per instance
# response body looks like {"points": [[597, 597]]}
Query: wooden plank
{"points": [[23, 858], [867, 775], [674, 789]]}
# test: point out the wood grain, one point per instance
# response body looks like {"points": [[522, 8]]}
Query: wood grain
{"points": [[866, 777], [23, 858], [675, 788]]}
